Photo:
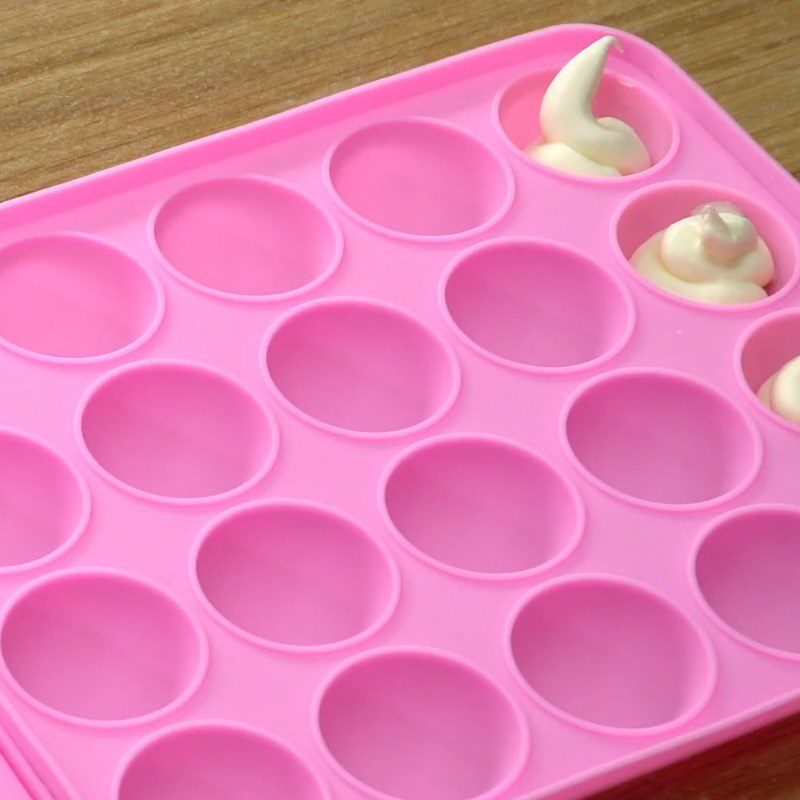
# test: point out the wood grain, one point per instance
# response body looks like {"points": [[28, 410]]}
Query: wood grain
{"points": [[85, 84]]}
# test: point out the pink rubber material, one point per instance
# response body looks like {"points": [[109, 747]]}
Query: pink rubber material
{"points": [[345, 455], [10, 786]]}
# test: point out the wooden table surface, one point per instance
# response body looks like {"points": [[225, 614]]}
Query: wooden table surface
{"points": [[85, 84]]}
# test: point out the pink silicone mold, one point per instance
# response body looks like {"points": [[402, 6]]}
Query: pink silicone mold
{"points": [[248, 238], [480, 506], [660, 439], [216, 759], [71, 297], [610, 655], [742, 571], [536, 305], [294, 576], [48, 506], [100, 648], [417, 724], [176, 431], [345, 456], [419, 178], [380, 373]]}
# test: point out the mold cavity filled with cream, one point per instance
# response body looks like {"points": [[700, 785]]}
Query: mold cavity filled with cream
{"points": [[575, 140], [713, 256], [781, 391]]}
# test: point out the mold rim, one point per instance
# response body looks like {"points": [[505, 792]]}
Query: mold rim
{"points": [[198, 633], [388, 560]]}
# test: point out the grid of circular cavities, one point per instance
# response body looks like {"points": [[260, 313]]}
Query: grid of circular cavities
{"points": [[176, 431], [660, 439], [536, 305], [480, 506], [215, 759], [294, 576], [474, 505], [767, 346], [744, 571], [247, 238], [516, 119], [609, 654], [47, 502], [419, 724], [651, 209], [71, 297], [360, 367], [419, 178], [66, 642]]}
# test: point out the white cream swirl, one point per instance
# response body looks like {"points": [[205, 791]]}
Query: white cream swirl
{"points": [[714, 256], [573, 139], [781, 392]]}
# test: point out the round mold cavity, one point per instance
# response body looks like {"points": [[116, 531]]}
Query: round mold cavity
{"points": [[72, 297], [536, 305], [419, 724], [651, 209], [360, 367], [100, 648], [660, 439], [45, 502], [516, 119], [419, 178], [480, 506], [176, 431], [294, 576], [764, 348], [743, 569], [247, 238], [196, 760], [610, 655]]}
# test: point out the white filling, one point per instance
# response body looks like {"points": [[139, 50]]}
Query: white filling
{"points": [[781, 392], [573, 139], [714, 256]]}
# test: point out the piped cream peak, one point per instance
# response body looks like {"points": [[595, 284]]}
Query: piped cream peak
{"points": [[573, 139], [727, 239]]}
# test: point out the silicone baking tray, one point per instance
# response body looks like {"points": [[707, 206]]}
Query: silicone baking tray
{"points": [[346, 456]]}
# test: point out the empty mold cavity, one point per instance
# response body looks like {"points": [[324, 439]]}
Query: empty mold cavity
{"points": [[654, 208], [247, 237], [44, 502], [360, 367], [536, 305], [765, 348], [481, 506], [516, 116], [661, 439], [73, 297], [176, 431], [100, 647], [206, 760], [609, 654], [418, 724], [745, 571], [294, 575], [419, 177]]}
